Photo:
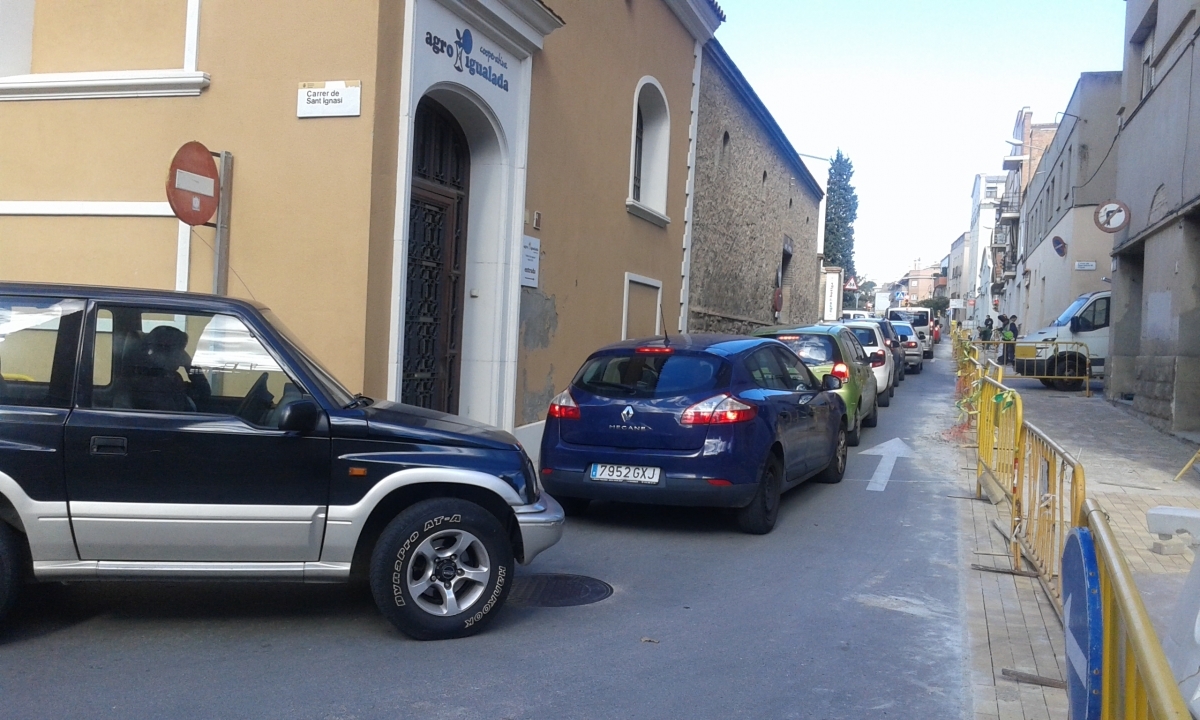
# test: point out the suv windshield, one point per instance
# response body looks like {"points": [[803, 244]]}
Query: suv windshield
{"points": [[635, 375], [1065, 319], [812, 349]]}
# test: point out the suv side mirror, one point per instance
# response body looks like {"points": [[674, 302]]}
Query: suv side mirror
{"points": [[830, 383], [1076, 325], [300, 416]]}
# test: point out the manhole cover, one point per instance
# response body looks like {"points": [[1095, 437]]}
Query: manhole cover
{"points": [[557, 590]]}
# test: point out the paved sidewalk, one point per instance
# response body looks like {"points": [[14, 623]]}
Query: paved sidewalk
{"points": [[1130, 468]]}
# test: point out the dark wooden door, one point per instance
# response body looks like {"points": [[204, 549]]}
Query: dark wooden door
{"points": [[433, 314]]}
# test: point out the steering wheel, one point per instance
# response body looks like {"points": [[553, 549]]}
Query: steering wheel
{"points": [[256, 402]]}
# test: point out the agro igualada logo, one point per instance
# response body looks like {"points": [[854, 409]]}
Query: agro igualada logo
{"points": [[460, 52]]}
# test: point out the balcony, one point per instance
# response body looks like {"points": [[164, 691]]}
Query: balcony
{"points": [[1014, 162]]}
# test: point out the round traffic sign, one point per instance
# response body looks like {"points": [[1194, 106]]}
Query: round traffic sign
{"points": [[193, 184], [1060, 246], [1083, 625], [1112, 216]]}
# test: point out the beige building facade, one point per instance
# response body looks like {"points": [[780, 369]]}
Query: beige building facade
{"points": [[491, 209]]}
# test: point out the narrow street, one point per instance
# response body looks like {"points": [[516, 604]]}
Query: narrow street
{"points": [[849, 609]]}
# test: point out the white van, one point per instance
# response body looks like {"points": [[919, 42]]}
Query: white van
{"points": [[918, 317], [1084, 321]]}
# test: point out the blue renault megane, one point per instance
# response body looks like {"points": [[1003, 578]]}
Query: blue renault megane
{"points": [[715, 420]]}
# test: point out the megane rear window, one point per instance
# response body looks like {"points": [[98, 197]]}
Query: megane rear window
{"points": [[812, 349], [651, 376]]}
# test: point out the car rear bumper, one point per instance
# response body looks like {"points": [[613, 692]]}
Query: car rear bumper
{"points": [[671, 489]]}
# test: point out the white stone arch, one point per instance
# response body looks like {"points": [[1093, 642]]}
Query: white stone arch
{"points": [[648, 170], [491, 278]]}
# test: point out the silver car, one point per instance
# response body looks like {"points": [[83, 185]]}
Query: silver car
{"points": [[914, 351]]}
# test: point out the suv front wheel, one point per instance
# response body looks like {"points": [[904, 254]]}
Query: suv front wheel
{"points": [[441, 569]]}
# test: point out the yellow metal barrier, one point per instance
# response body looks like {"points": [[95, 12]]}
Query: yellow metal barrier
{"points": [[1136, 681], [1047, 502], [1062, 365], [1047, 491], [998, 436]]}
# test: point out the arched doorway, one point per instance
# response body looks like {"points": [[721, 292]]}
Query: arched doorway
{"points": [[437, 232]]}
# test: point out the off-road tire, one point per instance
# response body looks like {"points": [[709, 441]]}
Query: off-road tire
{"points": [[836, 468], [437, 529], [573, 506], [12, 566], [758, 518]]}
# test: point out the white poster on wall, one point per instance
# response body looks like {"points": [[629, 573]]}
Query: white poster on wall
{"points": [[833, 296], [956, 304], [531, 256]]}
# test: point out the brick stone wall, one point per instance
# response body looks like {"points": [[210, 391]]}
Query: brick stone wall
{"points": [[1154, 395], [747, 199]]}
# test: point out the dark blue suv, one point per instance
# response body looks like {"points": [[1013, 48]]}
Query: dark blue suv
{"points": [[715, 420]]}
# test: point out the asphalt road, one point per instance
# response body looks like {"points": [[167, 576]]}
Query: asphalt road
{"points": [[849, 609]]}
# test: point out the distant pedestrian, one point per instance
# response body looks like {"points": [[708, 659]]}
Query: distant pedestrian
{"points": [[985, 332], [1009, 335]]}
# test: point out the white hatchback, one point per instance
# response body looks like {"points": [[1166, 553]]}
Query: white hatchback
{"points": [[883, 363]]}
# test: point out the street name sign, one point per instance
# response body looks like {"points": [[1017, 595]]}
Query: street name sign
{"points": [[1083, 625], [332, 98], [192, 184]]}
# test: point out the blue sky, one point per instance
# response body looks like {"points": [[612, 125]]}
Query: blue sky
{"points": [[920, 94]]}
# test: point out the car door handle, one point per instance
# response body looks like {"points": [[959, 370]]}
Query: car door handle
{"points": [[102, 445]]}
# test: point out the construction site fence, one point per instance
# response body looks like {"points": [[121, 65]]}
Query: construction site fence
{"points": [[1136, 681], [1063, 365], [1046, 489]]}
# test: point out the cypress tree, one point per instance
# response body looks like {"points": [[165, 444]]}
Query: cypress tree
{"points": [[841, 210]]}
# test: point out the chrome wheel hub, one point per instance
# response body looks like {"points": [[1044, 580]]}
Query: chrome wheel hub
{"points": [[448, 572]]}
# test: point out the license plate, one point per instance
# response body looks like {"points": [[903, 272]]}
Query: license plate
{"points": [[625, 473]]}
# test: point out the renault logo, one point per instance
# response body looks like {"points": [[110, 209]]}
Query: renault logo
{"points": [[627, 413]]}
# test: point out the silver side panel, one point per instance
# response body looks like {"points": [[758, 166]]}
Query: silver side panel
{"points": [[47, 525], [346, 521], [313, 572], [168, 532]]}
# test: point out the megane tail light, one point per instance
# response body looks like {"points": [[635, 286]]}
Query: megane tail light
{"points": [[563, 406], [841, 371], [718, 410]]}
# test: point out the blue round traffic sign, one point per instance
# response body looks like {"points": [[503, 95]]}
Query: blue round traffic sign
{"points": [[1083, 625]]}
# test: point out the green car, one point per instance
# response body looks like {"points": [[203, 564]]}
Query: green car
{"points": [[833, 350]]}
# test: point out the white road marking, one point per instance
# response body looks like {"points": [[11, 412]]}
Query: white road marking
{"points": [[889, 452]]}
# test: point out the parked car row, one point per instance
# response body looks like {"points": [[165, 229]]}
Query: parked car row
{"points": [[168, 436], [719, 420]]}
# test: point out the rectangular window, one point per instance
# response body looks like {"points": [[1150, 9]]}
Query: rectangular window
{"points": [[38, 338], [144, 359]]}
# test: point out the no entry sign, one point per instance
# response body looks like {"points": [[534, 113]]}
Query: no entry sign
{"points": [[193, 184]]}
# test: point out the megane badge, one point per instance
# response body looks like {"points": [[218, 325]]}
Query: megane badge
{"points": [[627, 413]]}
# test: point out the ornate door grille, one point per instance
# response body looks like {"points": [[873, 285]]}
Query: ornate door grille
{"points": [[436, 258]]}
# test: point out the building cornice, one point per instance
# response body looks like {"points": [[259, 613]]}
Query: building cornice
{"points": [[700, 17], [105, 84], [521, 24], [721, 60]]}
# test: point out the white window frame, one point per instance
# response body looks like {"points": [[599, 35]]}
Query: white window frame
{"points": [[656, 154], [633, 278], [170, 82]]}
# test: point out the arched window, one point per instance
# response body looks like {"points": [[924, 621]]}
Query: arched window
{"points": [[649, 155]]}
